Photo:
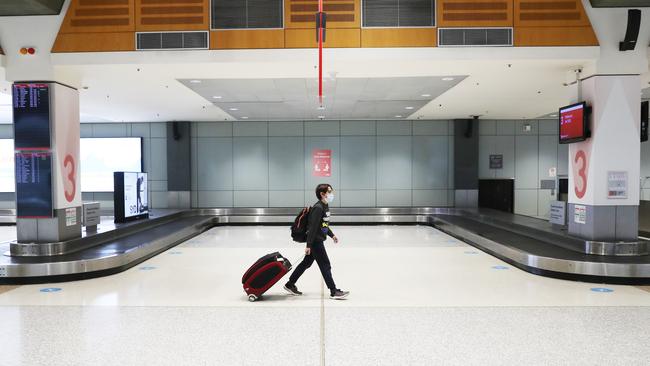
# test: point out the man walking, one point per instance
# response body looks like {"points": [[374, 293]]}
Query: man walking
{"points": [[318, 228]]}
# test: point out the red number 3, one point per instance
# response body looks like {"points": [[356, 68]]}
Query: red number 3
{"points": [[580, 155], [69, 161]]}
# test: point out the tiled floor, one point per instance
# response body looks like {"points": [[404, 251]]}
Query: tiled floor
{"points": [[418, 297]]}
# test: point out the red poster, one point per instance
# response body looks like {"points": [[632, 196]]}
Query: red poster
{"points": [[321, 162]]}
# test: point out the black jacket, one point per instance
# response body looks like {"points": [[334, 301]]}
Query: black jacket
{"points": [[319, 223]]}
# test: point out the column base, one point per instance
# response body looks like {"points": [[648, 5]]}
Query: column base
{"points": [[603, 223]]}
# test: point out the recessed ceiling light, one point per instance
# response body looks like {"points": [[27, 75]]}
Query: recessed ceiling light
{"points": [[398, 116], [409, 108], [447, 79], [553, 115], [195, 81], [321, 107], [233, 109], [321, 117], [217, 97], [426, 95], [244, 117]]}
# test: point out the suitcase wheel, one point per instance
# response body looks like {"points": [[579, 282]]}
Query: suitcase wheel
{"points": [[252, 297]]}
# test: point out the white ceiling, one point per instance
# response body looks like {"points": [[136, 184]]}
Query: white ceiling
{"points": [[495, 83]]}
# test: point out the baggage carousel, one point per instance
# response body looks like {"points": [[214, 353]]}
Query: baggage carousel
{"points": [[527, 243]]}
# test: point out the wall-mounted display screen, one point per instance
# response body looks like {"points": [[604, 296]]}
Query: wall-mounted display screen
{"points": [[100, 157], [130, 198], [34, 185], [31, 104], [574, 123]]}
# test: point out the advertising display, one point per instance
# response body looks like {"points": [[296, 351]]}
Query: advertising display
{"points": [[34, 185], [31, 108], [130, 198], [574, 124]]}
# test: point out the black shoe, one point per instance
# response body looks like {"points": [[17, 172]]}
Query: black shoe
{"points": [[338, 294], [292, 289]]}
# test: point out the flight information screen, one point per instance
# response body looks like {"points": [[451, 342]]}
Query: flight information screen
{"points": [[33, 185], [572, 123], [31, 104]]}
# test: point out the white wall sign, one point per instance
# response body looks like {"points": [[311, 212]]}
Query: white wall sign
{"points": [[580, 214], [616, 185], [552, 172]]}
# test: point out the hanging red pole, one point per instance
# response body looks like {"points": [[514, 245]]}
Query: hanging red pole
{"points": [[320, 24]]}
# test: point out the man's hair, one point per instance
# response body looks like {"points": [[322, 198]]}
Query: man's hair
{"points": [[322, 188]]}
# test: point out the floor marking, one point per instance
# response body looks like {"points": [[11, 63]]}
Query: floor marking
{"points": [[642, 288], [147, 268], [322, 323], [50, 289], [4, 289], [500, 267], [601, 289]]}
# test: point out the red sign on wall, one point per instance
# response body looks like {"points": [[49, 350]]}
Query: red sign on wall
{"points": [[321, 162]]}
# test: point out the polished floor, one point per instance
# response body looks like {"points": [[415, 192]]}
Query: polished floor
{"points": [[418, 297]]}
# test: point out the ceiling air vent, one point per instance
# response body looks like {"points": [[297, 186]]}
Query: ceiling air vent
{"points": [[172, 41], [474, 37]]}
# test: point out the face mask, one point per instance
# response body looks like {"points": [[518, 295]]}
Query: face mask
{"points": [[330, 198]]}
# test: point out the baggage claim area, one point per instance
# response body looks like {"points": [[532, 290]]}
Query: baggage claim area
{"points": [[351, 183]]}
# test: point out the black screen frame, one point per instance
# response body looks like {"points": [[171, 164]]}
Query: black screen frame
{"points": [[586, 131]]}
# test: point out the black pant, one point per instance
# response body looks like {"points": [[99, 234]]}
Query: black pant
{"points": [[318, 254]]}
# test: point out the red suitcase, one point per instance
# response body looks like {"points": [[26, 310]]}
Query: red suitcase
{"points": [[265, 273]]}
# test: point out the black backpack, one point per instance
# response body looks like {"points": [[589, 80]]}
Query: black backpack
{"points": [[299, 227]]}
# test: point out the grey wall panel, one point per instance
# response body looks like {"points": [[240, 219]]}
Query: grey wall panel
{"points": [[505, 145], [394, 128], [214, 129], [140, 130], [7, 205], [544, 199], [486, 147], [250, 163], [194, 203], [526, 164], [436, 128], [251, 199], [466, 154], [526, 202], [158, 129], [394, 198], [432, 198], [487, 127], [158, 186], [430, 162], [360, 198], [194, 162], [547, 156], [549, 127], [215, 199], [250, 129], [215, 162], [358, 163], [450, 163], [286, 128], [286, 164], [85, 130], [286, 199], [322, 143], [179, 168], [358, 128], [159, 200], [109, 130], [158, 161], [322, 128], [394, 162], [563, 159], [520, 128], [645, 164], [506, 127], [146, 155]]}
